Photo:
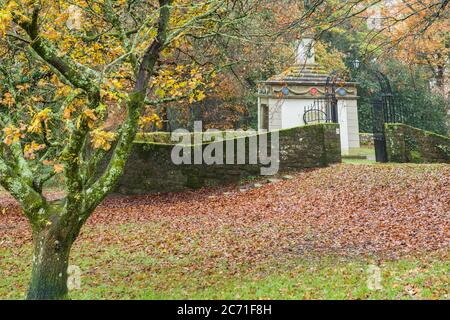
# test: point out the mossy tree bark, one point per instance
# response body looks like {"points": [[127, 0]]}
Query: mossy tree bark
{"points": [[50, 263], [53, 237]]}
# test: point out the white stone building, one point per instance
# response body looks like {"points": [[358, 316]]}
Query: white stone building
{"points": [[283, 99]]}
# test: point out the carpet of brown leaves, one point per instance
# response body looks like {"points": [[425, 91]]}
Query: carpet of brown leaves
{"points": [[376, 210]]}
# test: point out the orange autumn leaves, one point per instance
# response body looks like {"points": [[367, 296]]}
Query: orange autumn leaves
{"points": [[8, 100]]}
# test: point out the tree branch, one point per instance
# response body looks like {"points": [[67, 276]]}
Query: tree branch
{"points": [[99, 189], [31, 201], [78, 75]]}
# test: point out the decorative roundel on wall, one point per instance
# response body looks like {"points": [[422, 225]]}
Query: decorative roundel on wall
{"points": [[285, 91], [342, 92], [314, 91]]}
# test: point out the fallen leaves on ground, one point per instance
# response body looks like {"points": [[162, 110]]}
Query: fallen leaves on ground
{"points": [[351, 210], [289, 239]]}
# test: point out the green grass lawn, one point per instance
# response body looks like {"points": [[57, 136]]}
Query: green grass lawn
{"points": [[365, 151], [362, 151], [358, 161], [117, 271]]}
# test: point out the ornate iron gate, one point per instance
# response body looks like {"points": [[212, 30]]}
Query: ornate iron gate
{"points": [[318, 112], [379, 138], [385, 110], [323, 109]]}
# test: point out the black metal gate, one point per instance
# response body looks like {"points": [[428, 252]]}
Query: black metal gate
{"points": [[318, 112], [385, 110], [379, 138], [323, 109]]}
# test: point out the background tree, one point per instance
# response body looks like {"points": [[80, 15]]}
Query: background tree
{"points": [[417, 33]]}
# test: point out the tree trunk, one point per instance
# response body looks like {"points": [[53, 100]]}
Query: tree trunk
{"points": [[50, 263]]}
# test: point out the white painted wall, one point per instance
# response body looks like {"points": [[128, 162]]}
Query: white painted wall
{"points": [[292, 112], [288, 113]]}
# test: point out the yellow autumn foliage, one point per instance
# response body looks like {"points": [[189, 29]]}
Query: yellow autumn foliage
{"points": [[39, 118], [149, 119], [102, 139]]}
